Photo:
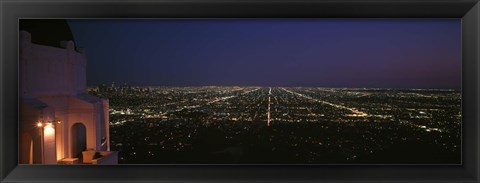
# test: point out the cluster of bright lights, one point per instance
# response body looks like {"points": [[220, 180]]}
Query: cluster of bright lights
{"points": [[48, 127], [47, 124]]}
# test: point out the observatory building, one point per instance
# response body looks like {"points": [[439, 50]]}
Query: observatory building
{"points": [[59, 123]]}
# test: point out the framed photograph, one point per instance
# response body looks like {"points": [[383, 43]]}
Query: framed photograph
{"points": [[234, 91]]}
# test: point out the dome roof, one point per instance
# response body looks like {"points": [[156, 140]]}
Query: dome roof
{"points": [[48, 32]]}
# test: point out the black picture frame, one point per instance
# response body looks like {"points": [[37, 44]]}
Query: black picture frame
{"points": [[467, 10]]}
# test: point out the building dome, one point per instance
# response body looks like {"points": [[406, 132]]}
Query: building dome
{"points": [[49, 32]]}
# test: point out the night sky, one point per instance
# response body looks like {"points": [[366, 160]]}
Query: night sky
{"points": [[384, 53]]}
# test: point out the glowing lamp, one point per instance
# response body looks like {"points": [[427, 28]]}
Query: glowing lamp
{"points": [[58, 120], [49, 130], [39, 124]]}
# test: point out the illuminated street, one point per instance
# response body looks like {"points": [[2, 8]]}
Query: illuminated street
{"points": [[283, 124]]}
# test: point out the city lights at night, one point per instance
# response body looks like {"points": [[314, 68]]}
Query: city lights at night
{"points": [[282, 124], [240, 91]]}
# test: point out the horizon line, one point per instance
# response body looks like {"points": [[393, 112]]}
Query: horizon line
{"points": [[277, 86]]}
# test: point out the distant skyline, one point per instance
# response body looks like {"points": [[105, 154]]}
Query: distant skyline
{"points": [[370, 53]]}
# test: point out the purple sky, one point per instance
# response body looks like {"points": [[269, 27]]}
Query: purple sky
{"points": [[386, 53]]}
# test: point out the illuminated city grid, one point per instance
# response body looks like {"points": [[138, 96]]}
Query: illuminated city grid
{"points": [[283, 125]]}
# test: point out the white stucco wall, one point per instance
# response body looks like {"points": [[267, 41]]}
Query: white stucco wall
{"points": [[57, 76], [28, 119], [47, 70]]}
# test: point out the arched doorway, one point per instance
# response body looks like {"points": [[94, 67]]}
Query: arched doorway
{"points": [[79, 139], [26, 149]]}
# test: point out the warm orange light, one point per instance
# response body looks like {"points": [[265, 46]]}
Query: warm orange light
{"points": [[39, 124], [58, 120], [49, 130]]}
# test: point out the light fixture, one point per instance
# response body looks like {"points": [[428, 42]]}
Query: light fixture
{"points": [[48, 129], [58, 120], [49, 123]]}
